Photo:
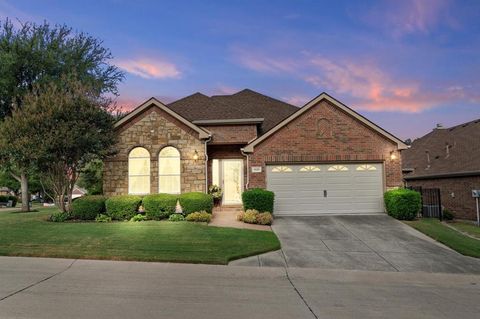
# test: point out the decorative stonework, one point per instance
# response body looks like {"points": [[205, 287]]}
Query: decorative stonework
{"points": [[324, 128], [153, 130]]}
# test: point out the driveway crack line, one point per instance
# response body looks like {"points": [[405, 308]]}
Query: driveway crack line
{"points": [[38, 282], [348, 230], [299, 294]]}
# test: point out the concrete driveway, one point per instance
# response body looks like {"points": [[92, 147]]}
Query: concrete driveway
{"points": [[366, 242]]}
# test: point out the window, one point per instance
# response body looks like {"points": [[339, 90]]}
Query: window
{"points": [[310, 168], [337, 168], [366, 167], [281, 169], [139, 171], [169, 170]]}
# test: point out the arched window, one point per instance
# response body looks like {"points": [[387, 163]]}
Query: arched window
{"points": [[169, 171], [139, 171], [337, 168], [281, 169]]}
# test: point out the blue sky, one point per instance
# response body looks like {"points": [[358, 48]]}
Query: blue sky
{"points": [[406, 65]]}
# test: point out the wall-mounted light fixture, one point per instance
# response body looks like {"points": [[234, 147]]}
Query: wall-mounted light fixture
{"points": [[195, 155], [393, 156]]}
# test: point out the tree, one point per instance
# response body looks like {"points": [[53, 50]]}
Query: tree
{"points": [[91, 177], [39, 54], [61, 128], [7, 180]]}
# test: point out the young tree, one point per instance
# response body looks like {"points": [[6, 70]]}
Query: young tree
{"points": [[61, 128], [37, 54]]}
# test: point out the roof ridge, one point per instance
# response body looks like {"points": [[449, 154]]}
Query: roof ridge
{"points": [[265, 96], [188, 96], [463, 124]]}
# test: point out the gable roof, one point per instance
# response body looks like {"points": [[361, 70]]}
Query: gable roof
{"points": [[463, 142], [324, 96], [202, 134], [245, 104]]}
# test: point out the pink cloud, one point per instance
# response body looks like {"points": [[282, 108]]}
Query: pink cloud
{"points": [[297, 100], [263, 63], [411, 16], [149, 68]]}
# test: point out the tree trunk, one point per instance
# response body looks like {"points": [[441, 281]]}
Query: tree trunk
{"points": [[25, 194]]}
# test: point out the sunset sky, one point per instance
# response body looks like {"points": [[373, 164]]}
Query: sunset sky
{"points": [[406, 65]]}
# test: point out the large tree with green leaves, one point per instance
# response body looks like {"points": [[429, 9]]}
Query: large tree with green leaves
{"points": [[61, 128], [36, 55]]}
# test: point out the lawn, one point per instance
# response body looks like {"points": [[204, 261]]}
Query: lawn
{"points": [[29, 234], [447, 236], [467, 227]]}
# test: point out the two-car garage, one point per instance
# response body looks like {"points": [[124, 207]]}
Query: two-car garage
{"points": [[318, 189]]}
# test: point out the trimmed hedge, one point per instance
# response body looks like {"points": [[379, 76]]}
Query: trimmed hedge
{"points": [[6, 198], [122, 207], [196, 202], [258, 199], [88, 207], [199, 217], [159, 206], [403, 203]]}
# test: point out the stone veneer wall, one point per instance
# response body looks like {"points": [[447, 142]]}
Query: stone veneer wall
{"points": [[154, 129]]}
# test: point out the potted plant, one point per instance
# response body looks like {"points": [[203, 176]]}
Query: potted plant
{"points": [[217, 193]]}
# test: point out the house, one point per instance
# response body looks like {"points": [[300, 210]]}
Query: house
{"points": [[6, 191], [448, 159], [318, 159]]}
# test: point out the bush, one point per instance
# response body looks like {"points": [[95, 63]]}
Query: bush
{"points": [[259, 199], [59, 217], [7, 198], [202, 216], [250, 216], [403, 203], [122, 207], [264, 218], [102, 218], [239, 216], [196, 202], [176, 218], [448, 215], [159, 206], [138, 218], [88, 207], [217, 193]]}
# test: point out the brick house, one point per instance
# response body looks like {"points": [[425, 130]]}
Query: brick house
{"points": [[448, 159], [318, 159]]}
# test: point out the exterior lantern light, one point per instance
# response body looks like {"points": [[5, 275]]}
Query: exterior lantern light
{"points": [[195, 155], [393, 156]]}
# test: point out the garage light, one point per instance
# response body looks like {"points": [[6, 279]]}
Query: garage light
{"points": [[393, 156]]}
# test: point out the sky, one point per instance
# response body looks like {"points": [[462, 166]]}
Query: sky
{"points": [[406, 65]]}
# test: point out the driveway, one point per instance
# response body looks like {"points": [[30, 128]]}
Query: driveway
{"points": [[366, 242]]}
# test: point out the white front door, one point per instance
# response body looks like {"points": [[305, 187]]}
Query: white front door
{"points": [[232, 173]]}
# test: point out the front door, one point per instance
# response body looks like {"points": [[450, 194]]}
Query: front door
{"points": [[232, 173]]}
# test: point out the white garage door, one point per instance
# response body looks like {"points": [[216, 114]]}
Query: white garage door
{"points": [[312, 189]]}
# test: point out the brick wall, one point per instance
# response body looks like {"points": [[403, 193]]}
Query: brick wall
{"points": [[154, 129], [456, 193], [229, 134], [326, 134]]}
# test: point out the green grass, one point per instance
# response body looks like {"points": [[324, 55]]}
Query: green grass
{"points": [[447, 236], [467, 227], [30, 234]]}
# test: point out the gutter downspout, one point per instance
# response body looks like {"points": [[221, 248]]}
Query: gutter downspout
{"points": [[206, 164], [248, 168]]}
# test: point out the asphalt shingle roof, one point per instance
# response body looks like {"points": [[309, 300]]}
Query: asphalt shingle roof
{"points": [[246, 104], [463, 142]]}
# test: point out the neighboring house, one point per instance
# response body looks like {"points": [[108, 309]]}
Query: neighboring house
{"points": [[319, 159], [6, 191], [78, 192], [449, 159]]}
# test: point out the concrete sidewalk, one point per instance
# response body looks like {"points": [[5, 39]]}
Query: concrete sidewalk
{"points": [[60, 288]]}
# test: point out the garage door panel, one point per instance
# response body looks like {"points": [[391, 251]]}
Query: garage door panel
{"points": [[299, 189]]}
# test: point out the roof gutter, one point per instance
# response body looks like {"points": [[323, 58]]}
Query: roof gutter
{"points": [[446, 175], [229, 121]]}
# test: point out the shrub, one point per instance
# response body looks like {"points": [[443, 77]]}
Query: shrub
{"points": [[195, 202], [7, 198], [240, 216], [202, 216], [159, 206], [59, 217], [259, 199], [176, 218], [138, 218], [448, 215], [88, 207], [403, 203], [264, 218], [216, 192], [250, 216], [122, 207], [102, 218]]}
